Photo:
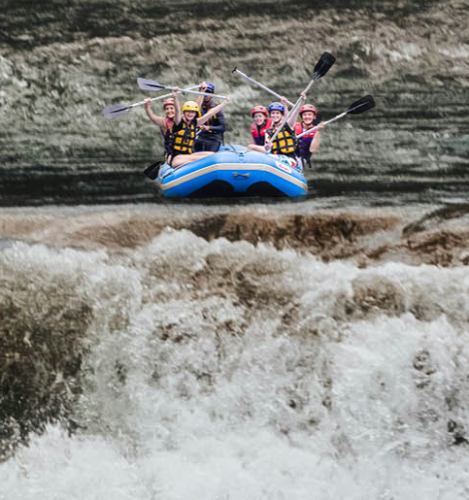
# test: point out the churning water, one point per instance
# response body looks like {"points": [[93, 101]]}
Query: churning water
{"points": [[143, 360], [246, 351]]}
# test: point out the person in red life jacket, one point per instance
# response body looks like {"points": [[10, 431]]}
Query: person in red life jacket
{"points": [[285, 142], [210, 136], [309, 143], [165, 123], [261, 123], [183, 132]]}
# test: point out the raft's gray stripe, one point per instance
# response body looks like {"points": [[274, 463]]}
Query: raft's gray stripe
{"points": [[237, 166]]}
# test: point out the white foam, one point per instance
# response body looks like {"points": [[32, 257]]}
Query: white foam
{"points": [[252, 373]]}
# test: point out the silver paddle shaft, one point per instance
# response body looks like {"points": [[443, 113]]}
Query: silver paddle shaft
{"points": [[188, 91], [295, 107], [162, 96], [260, 85], [325, 123]]}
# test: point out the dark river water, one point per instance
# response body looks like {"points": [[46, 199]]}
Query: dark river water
{"points": [[59, 67]]}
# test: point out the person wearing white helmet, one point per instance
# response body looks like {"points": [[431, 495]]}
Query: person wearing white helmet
{"points": [[183, 132]]}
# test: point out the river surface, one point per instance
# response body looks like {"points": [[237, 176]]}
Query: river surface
{"points": [[263, 349]]}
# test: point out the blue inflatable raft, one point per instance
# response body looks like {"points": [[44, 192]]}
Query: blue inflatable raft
{"points": [[234, 171]]}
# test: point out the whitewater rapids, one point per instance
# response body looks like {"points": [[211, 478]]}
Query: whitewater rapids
{"points": [[207, 359]]}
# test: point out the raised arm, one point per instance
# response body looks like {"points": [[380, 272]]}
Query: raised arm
{"points": [[177, 105], [292, 120], [314, 146], [213, 111], [158, 120], [200, 98]]}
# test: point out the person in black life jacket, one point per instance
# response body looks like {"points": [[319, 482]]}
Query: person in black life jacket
{"points": [[165, 123], [285, 142], [210, 137], [261, 123], [309, 143], [184, 129]]}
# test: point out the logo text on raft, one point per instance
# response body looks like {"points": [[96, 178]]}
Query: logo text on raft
{"points": [[283, 167]]}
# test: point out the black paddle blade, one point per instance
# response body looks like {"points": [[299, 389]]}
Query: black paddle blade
{"points": [[317, 120], [115, 110], [364, 104], [323, 65], [145, 84], [152, 171]]}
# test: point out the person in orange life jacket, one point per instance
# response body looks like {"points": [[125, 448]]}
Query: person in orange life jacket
{"points": [[285, 142], [309, 143], [166, 123], [183, 131], [210, 137], [261, 123]]}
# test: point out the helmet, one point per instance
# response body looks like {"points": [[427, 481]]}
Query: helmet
{"points": [[259, 109], [190, 106], [168, 101], [276, 106], [308, 107], [210, 87]]}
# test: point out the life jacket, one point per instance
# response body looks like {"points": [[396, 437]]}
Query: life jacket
{"points": [[259, 134], [285, 142], [213, 120], [304, 142], [167, 136], [183, 137]]}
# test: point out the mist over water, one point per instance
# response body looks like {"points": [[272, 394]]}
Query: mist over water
{"points": [[228, 350]]}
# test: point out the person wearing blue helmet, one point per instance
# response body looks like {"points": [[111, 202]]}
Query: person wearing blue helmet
{"points": [[285, 142], [210, 136]]}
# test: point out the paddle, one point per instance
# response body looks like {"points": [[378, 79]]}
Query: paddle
{"points": [[322, 67], [145, 84], [360, 106], [259, 85], [152, 171], [121, 109]]}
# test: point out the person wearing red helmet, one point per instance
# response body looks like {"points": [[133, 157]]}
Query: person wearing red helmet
{"points": [[309, 143], [165, 123], [261, 123]]}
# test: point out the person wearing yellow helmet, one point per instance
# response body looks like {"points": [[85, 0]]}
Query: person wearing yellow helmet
{"points": [[184, 128]]}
